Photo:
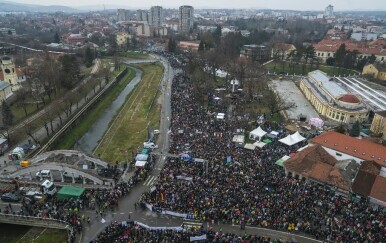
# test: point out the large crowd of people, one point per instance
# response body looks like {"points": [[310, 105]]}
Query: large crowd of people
{"points": [[242, 186], [132, 232]]}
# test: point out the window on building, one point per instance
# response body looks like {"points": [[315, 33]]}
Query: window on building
{"points": [[338, 154]]}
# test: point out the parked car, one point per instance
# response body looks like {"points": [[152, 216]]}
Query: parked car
{"points": [[34, 195], [150, 145], [10, 197], [69, 175], [43, 174]]}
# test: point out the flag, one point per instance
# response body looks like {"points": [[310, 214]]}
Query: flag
{"points": [[229, 159]]}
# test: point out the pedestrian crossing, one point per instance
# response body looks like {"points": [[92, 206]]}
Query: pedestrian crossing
{"points": [[189, 223], [150, 181]]}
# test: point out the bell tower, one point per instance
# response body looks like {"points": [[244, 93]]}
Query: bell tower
{"points": [[9, 72]]}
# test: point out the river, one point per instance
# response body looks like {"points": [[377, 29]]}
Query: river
{"points": [[90, 140]]}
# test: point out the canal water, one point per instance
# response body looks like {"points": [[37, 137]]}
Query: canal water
{"points": [[95, 133]]}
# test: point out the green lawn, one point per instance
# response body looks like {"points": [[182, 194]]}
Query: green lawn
{"points": [[128, 129], [68, 141], [330, 70]]}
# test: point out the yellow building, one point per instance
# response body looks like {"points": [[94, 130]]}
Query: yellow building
{"points": [[9, 73], [122, 39], [331, 100], [378, 125], [376, 71]]}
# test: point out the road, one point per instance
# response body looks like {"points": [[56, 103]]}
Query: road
{"points": [[40, 134], [126, 204]]}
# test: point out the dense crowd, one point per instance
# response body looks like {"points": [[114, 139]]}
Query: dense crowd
{"points": [[249, 188], [71, 210], [131, 232]]}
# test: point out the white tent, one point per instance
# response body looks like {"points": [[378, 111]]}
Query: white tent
{"points": [[298, 137], [257, 133], [259, 144], [292, 139], [249, 146]]}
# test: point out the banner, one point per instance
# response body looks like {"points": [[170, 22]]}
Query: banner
{"points": [[194, 238], [184, 178], [177, 228]]}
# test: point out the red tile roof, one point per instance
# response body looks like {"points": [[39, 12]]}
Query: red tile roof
{"points": [[359, 148], [350, 98], [315, 162], [331, 45], [367, 173], [379, 189]]}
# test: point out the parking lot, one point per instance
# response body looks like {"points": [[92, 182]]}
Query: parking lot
{"points": [[289, 92]]}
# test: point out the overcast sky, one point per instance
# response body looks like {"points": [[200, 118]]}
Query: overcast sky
{"points": [[272, 4]]}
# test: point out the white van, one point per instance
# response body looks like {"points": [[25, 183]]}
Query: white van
{"points": [[150, 145], [43, 174]]}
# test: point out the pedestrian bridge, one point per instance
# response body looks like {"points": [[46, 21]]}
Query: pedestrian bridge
{"points": [[51, 155], [34, 221], [72, 169]]}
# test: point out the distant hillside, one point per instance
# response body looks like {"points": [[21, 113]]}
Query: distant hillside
{"points": [[6, 6]]}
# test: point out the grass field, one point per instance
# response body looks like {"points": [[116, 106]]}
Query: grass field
{"points": [[128, 130], [278, 67], [68, 141]]}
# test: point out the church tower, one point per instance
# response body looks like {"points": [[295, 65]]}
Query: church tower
{"points": [[9, 72]]}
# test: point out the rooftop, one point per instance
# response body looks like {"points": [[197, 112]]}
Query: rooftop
{"points": [[359, 148], [378, 190], [367, 173], [331, 87]]}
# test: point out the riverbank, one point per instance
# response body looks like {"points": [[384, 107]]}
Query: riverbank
{"points": [[68, 141], [128, 129]]}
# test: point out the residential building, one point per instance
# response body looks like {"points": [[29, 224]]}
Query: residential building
{"points": [[316, 164], [186, 18], [370, 182], [160, 31], [122, 15], [138, 28], [255, 52], [364, 36], [329, 11], [172, 24], [156, 17], [7, 31], [143, 15], [189, 45], [282, 50], [378, 126], [343, 147], [5, 90], [76, 39], [375, 70], [327, 48], [331, 100], [9, 74], [122, 38]]}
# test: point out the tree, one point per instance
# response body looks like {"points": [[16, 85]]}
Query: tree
{"points": [[172, 45], [7, 114], [330, 61], [340, 129], [355, 129], [88, 57], [70, 71], [56, 38], [340, 55], [372, 58]]}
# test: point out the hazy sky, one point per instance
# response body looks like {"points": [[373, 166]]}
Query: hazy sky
{"points": [[273, 4]]}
